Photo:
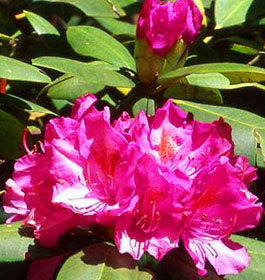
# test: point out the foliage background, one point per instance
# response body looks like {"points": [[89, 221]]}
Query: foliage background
{"points": [[52, 51]]}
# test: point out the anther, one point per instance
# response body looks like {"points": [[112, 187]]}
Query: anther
{"points": [[204, 216]]}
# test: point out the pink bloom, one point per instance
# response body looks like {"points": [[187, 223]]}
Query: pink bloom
{"points": [[214, 180], [152, 226], [219, 205], [79, 177], [163, 24], [29, 197], [91, 164], [153, 179], [178, 143]]}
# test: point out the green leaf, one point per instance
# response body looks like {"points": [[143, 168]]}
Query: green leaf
{"points": [[236, 73], [256, 269], [101, 262], [5, 37], [246, 50], [91, 72], [208, 80], [117, 27], [13, 246], [11, 131], [13, 69], [93, 42], [229, 13], [187, 92], [125, 3], [207, 3], [71, 87], [245, 125], [145, 104], [12, 100], [40, 24], [92, 8]]}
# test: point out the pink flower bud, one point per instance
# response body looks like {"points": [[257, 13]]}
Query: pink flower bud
{"points": [[164, 32]]}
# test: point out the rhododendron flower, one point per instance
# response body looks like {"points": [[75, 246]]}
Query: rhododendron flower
{"points": [[214, 199], [29, 197], [92, 163], [154, 180], [162, 24], [219, 205], [164, 32], [78, 177], [155, 223]]}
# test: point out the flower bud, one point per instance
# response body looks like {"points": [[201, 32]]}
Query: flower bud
{"points": [[164, 32]]}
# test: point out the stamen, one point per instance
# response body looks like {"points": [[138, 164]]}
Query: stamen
{"points": [[41, 146], [24, 139]]}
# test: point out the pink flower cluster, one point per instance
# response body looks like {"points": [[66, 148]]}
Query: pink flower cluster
{"points": [[155, 180], [162, 24]]}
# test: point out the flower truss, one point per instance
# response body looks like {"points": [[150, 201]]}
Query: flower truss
{"points": [[154, 180]]}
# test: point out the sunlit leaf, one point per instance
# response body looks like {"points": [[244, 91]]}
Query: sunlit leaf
{"points": [[93, 42], [13, 69]]}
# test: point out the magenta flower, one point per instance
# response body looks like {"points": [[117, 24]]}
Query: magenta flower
{"points": [[92, 163], [214, 201], [148, 227], [154, 180], [79, 177], [163, 24], [219, 205], [29, 197]]}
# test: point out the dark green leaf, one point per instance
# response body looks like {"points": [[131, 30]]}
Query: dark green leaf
{"points": [[229, 13], [208, 80], [187, 92], [93, 42], [13, 246], [40, 24], [13, 69], [117, 27], [92, 8], [91, 72], [12, 100], [236, 73], [256, 269], [145, 104], [244, 49], [71, 87], [11, 131]]}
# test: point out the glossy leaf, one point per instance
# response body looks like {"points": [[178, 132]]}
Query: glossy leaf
{"points": [[187, 92], [117, 27], [208, 80], [246, 126], [69, 87], [98, 8], [145, 104], [91, 72], [12, 100], [101, 262], [256, 269], [13, 69], [13, 246], [40, 24], [11, 131], [236, 73], [93, 42], [229, 13]]}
